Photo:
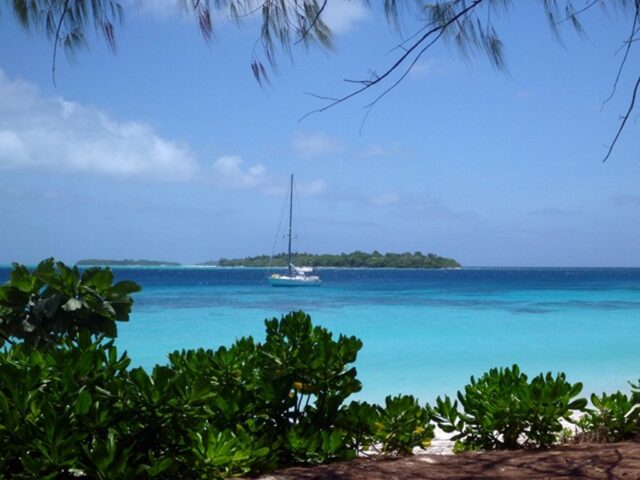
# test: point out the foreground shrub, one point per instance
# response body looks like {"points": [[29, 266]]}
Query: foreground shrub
{"points": [[72, 407], [613, 418], [397, 428], [61, 411], [503, 410], [288, 390], [54, 302]]}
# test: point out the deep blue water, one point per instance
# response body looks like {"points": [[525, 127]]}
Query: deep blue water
{"points": [[424, 331]]}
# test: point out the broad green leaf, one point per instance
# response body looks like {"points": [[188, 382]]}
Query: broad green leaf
{"points": [[100, 278], [20, 278], [83, 403], [125, 287]]}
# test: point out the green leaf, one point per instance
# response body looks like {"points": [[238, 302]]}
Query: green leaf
{"points": [[100, 278], [4, 404], [125, 288], [20, 278], [160, 466], [83, 403]]}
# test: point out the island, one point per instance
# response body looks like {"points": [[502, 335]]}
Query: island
{"points": [[355, 259], [125, 263]]}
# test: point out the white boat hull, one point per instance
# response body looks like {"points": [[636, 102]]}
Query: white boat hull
{"points": [[278, 280]]}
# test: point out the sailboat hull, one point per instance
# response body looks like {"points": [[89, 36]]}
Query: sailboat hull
{"points": [[278, 280]]}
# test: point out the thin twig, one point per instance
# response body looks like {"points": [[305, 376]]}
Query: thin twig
{"points": [[398, 62], [370, 106], [313, 23], [623, 62], [65, 9], [578, 12], [6, 339], [625, 117]]}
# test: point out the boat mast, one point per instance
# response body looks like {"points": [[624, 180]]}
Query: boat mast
{"points": [[290, 217]]}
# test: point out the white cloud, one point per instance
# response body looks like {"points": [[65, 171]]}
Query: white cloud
{"points": [[342, 15], [54, 134], [161, 9], [316, 144], [431, 67], [48, 134], [229, 172], [375, 150], [314, 187], [387, 198]]}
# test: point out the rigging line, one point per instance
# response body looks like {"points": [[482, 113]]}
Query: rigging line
{"points": [[275, 242], [300, 220]]}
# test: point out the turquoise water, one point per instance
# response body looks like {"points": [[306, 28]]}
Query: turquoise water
{"points": [[424, 331]]}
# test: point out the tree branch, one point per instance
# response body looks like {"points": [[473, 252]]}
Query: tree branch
{"points": [[313, 22], [65, 9], [629, 42], [625, 117], [7, 339], [439, 30], [572, 16]]}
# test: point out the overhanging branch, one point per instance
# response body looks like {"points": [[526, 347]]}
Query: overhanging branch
{"points": [[367, 84]]}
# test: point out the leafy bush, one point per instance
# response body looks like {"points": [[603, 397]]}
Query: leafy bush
{"points": [[403, 425], [614, 418], [502, 410], [74, 408], [55, 302], [60, 411], [398, 428], [288, 390], [71, 407]]}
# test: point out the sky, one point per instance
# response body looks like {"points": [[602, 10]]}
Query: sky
{"points": [[170, 149]]}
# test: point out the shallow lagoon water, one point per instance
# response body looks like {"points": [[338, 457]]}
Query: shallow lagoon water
{"points": [[424, 331]]}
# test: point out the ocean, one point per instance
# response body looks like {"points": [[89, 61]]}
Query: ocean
{"points": [[425, 332]]}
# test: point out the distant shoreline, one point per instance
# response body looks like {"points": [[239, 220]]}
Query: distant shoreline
{"points": [[93, 262], [355, 259], [153, 263]]}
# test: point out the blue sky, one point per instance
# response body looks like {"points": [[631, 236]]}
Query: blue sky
{"points": [[171, 150]]}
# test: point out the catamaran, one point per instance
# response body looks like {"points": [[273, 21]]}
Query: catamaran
{"points": [[295, 276]]}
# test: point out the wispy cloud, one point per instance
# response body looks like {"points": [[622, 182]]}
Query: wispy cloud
{"points": [[313, 187], [53, 134], [553, 212], [162, 9], [625, 199], [343, 15], [376, 150], [230, 172], [384, 199], [316, 144], [432, 67], [340, 15], [423, 208]]}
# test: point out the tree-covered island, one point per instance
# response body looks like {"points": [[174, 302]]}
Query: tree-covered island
{"points": [[352, 260], [125, 263]]}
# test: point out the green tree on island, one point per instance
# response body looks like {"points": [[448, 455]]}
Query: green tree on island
{"points": [[466, 24], [351, 260]]}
